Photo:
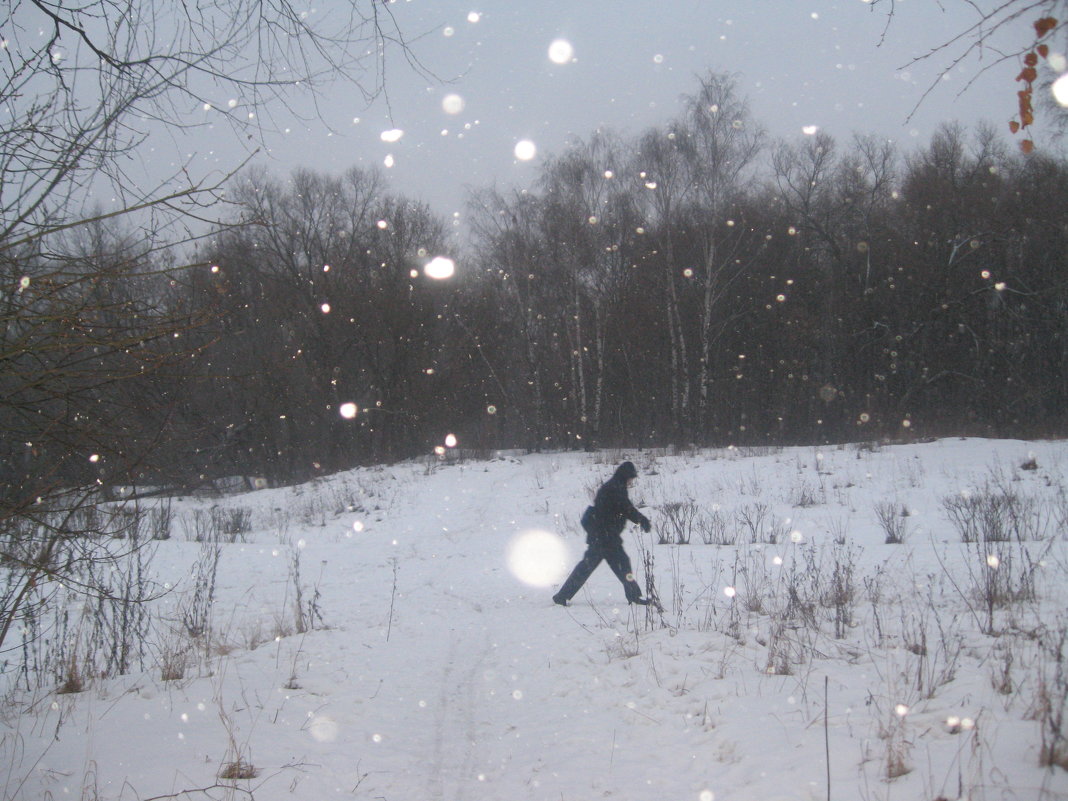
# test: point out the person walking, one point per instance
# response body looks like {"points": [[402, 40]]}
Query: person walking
{"points": [[604, 523]]}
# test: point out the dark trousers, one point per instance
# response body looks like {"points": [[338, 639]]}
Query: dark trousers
{"points": [[610, 550]]}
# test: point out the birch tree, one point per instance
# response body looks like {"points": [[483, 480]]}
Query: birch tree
{"points": [[662, 185], [723, 143], [592, 223]]}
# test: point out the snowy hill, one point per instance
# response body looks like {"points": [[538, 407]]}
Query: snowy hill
{"points": [[388, 633]]}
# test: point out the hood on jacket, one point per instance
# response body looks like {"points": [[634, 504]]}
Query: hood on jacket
{"points": [[625, 471]]}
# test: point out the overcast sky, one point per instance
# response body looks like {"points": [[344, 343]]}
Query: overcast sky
{"points": [[835, 64]]}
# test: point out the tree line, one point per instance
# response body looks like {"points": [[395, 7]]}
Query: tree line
{"points": [[695, 284], [699, 284]]}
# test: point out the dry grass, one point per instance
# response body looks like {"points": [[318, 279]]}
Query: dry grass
{"points": [[239, 769]]}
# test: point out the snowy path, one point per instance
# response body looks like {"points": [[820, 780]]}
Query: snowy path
{"points": [[487, 689]]}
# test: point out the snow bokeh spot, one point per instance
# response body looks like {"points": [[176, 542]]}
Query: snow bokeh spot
{"points": [[323, 728], [538, 558], [525, 150], [440, 267], [1060, 90], [452, 104], [561, 51]]}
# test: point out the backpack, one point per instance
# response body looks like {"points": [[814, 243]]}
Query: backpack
{"points": [[589, 521]]}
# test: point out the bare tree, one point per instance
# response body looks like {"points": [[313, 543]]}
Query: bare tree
{"points": [[511, 247], [723, 144], [590, 223], [991, 37], [87, 83], [84, 322], [324, 303], [663, 188]]}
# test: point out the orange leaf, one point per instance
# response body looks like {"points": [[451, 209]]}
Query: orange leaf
{"points": [[1014, 126], [1028, 74], [1026, 110], [1025, 102], [1027, 146], [1044, 26], [1043, 50], [1030, 59]]}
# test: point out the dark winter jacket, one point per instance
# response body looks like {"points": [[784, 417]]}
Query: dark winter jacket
{"points": [[612, 507]]}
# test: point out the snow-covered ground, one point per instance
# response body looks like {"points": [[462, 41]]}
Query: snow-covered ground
{"points": [[435, 665]]}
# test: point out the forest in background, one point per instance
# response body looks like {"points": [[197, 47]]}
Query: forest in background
{"points": [[696, 284]]}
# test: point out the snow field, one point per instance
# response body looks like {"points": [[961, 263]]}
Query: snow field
{"points": [[431, 671]]}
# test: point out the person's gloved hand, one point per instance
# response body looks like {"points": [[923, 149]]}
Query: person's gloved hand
{"points": [[646, 525]]}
